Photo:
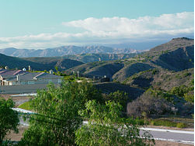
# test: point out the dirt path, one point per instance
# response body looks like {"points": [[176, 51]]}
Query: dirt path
{"points": [[16, 136]]}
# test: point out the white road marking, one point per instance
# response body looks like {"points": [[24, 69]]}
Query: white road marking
{"points": [[167, 130], [147, 129]]}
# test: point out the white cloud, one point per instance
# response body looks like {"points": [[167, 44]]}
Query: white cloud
{"points": [[108, 30], [116, 26]]}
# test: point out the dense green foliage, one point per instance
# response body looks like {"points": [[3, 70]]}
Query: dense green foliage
{"points": [[185, 91], [161, 94], [106, 127], [8, 118], [118, 97], [181, 90], [57, 114], [57, 118], [189, 97]]}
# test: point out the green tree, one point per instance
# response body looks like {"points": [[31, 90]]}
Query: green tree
{"points": [[106, 127], [189, 97], [85, 91], [118, 96], [8, 118], [56, 68], [181, 90], [57, 116]]}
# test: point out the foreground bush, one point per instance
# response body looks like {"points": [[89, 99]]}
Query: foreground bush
{"points": [[57, 116], [57, 121], [8, 118], [107, 128]]}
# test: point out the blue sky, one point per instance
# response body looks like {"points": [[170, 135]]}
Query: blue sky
{"points": [[52, 23]]}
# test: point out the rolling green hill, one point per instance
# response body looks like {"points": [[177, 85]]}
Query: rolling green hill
{"points": [[156, 67], [14, 62]]}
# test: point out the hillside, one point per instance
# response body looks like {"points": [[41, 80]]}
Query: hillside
{"points": [[65, 50], [156, 67], [14, 62], [176, 55], [85, 58], [160, 79]]}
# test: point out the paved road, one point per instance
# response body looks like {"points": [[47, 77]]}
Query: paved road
{"points": [[186, 137]]}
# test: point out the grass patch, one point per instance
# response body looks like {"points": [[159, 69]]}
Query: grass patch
{"points": [[179, 122], [159, 122], [25, 105], [181, 125]]}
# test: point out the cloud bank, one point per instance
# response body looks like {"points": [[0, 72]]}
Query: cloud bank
{"points": [[108, 31]]}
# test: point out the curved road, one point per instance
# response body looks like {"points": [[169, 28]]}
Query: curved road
{"points": [[179, 136]]}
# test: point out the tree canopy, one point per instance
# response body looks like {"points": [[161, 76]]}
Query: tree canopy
{"points": [[58, 122], [57, 116], [8, 118], [106, 127]]}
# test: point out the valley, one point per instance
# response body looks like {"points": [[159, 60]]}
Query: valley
{"points": [[156, 86]]}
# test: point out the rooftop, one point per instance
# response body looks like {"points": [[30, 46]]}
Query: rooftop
{"points": [[11, 75]]}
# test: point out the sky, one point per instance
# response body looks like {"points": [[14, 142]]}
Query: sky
{"points": [[38, 24]]}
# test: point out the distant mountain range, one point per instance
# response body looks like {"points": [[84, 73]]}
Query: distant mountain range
{"points": [[165, 66], [65, 50]]}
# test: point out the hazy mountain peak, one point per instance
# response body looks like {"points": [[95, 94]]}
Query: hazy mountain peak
{"points": [[182, 38], [65, 50]]}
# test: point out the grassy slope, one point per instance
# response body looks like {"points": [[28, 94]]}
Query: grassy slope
{"points": [[14, 62], [162, 79], [37, 63], [25, 105], [163, 67]]}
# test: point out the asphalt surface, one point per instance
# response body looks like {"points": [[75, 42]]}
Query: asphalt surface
{"points": [[180, 136]]}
